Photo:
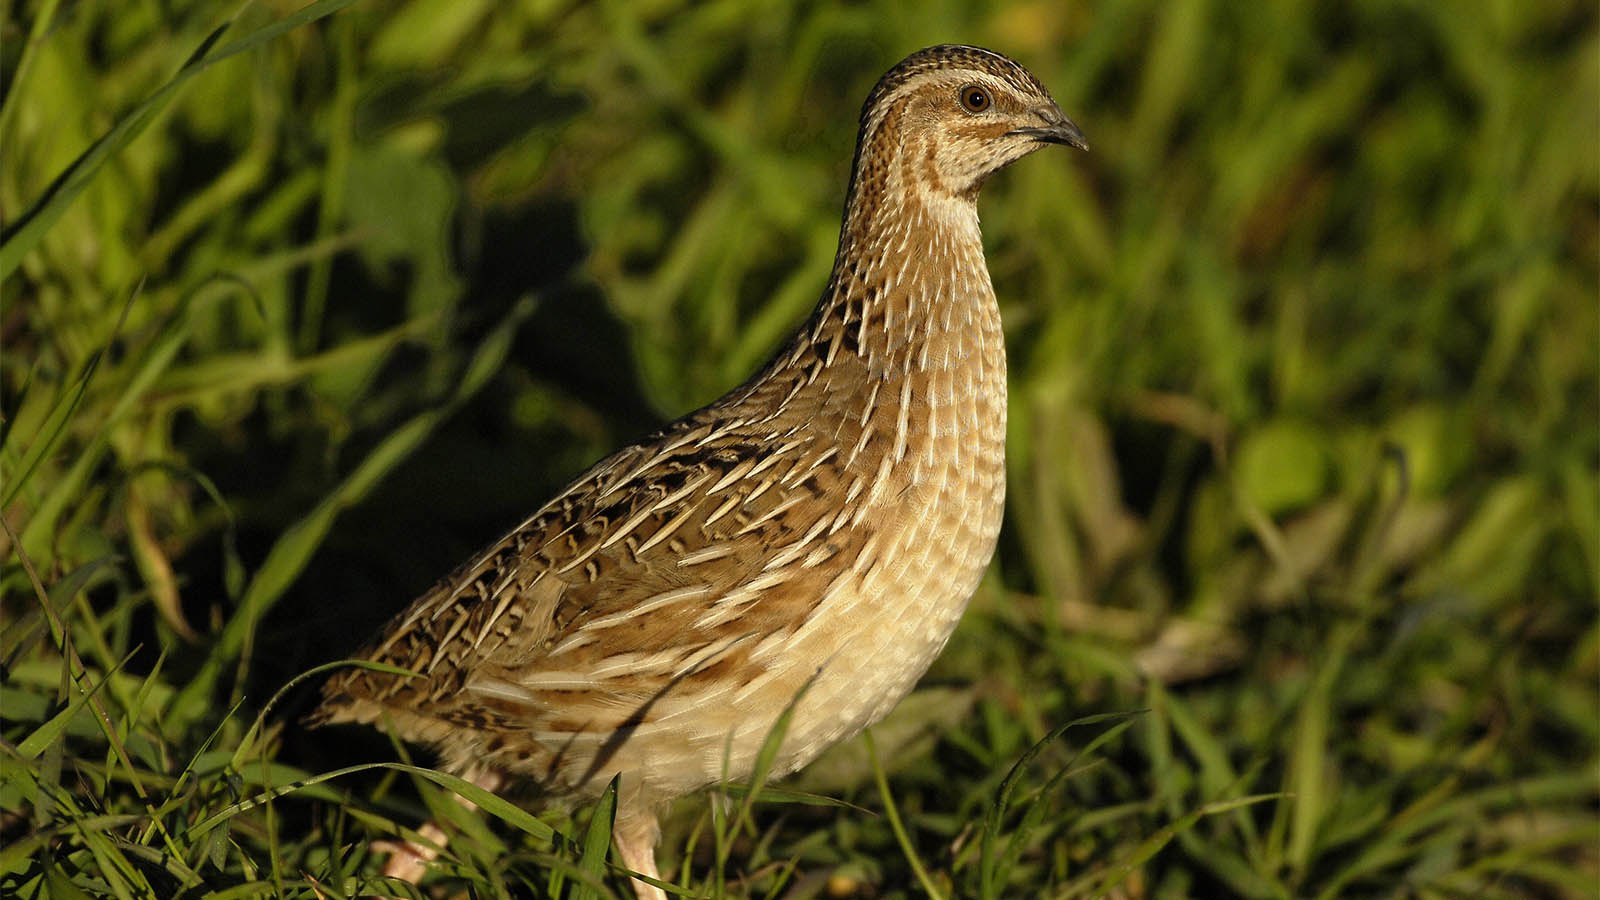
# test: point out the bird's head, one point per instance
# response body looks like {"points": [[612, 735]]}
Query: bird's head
{"points": [[947, 117]]}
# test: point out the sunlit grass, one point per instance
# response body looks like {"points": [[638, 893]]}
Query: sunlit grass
{"points": [[1297, 592]]}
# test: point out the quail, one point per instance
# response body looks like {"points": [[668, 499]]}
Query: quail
{"points": [[814, 534]]}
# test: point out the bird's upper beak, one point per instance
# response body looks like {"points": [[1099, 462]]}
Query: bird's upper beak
{"points": [[1056, 128]]}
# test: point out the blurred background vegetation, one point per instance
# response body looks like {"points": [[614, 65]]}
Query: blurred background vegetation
{"points": [[300, 309]]}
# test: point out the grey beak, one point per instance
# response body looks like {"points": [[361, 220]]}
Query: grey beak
{"points": [[1058, 129]]}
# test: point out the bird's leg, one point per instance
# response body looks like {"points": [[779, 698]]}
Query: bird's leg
{"points": [[635, 834], [408, 860]]}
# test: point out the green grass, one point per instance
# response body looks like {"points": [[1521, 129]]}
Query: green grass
{"points": [[1297, 593]]}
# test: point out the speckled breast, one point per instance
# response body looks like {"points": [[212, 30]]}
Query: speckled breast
{"points": [[926, 492]]}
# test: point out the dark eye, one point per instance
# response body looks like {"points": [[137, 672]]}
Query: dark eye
{"points": [[974, 98]]}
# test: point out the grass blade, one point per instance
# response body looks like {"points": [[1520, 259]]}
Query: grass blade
{"points": [[293, 550], [1153, 844], [28, 229], [900, 835], [989, 865], [597, 842]]}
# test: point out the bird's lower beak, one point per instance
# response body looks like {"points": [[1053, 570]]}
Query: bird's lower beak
{"points": [[1057, 129]]}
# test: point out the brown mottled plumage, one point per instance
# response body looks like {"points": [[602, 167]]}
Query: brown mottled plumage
{"points": [[829, 518]]}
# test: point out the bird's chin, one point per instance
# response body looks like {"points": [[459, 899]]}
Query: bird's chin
{"points": [[1014, 151]]}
